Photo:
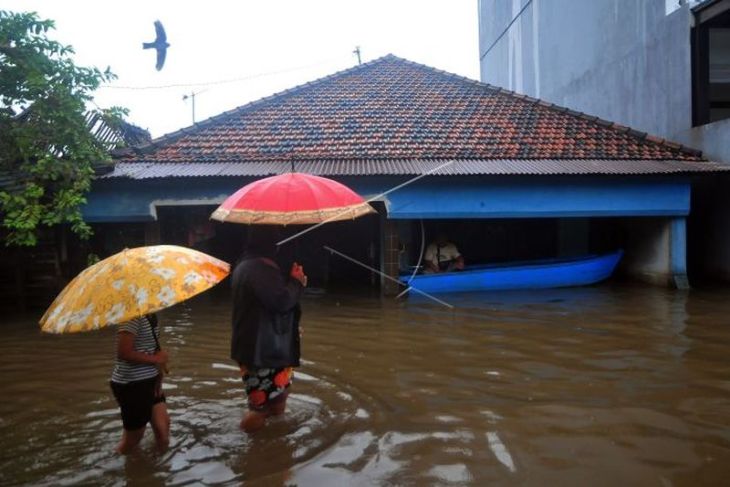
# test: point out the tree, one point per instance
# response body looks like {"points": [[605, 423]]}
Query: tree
{"points": [[46, 147]]}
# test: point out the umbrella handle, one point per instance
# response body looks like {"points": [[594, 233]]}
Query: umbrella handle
{"points": [[158, 347], [162, 367]]}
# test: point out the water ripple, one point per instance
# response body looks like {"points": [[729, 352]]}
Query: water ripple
{"points": [[607, 385]]}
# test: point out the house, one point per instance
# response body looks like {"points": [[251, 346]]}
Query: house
{"points": [[519, 178], [658, 66], [33, 276]]}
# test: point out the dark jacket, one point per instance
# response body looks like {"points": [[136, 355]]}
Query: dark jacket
{"points": [[266, 315]]}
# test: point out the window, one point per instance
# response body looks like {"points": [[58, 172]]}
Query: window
{"points": [[719, 59], [711, 63]]}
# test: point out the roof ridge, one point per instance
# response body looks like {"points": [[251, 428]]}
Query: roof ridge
{"points": [[172, 136]]}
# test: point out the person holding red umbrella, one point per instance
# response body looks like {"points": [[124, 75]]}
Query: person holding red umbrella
{"points": [[265, 326], [266, 312]]}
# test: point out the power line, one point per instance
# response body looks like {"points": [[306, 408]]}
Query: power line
{"points": [[218, 82], [386, 276], [524, 7]]}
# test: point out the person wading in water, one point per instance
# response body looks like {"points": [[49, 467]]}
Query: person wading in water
{"points": [[137, 383], [265, 336]]}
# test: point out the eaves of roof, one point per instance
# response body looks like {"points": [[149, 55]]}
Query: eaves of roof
{"points": [[521, 167], [709, 9]]}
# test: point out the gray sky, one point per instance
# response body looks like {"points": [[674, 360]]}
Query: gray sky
{"points": [[268, 46]]}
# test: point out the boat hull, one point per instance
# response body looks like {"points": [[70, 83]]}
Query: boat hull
{"points": [[526, 275]]}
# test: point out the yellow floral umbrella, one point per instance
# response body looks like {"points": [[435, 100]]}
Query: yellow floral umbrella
{"points": [[131, 284]]}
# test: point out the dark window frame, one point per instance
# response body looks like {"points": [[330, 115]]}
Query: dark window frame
{"points": [[706, 16]]}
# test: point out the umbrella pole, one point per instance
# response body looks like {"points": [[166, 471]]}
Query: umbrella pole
{"points": [[157, 341]]}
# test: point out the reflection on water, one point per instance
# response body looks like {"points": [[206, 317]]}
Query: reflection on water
{"points": [[582, 386]]}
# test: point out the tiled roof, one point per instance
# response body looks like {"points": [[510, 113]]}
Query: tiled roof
{"points": [[13, 180], [112, 135], [393, 116]]}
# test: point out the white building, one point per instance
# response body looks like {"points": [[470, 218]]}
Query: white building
{"points": [[658, 66]]}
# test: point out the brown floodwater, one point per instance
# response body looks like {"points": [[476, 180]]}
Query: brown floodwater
{"points": [[590, 386]]}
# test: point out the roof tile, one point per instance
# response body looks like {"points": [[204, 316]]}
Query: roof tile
{"points": [[393, 109]]}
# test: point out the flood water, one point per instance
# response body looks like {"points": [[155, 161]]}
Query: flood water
{"points": [[588, 386]]}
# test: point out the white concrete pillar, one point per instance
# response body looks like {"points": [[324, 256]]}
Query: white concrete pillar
{"points": [[678, 253], [656, 251]]}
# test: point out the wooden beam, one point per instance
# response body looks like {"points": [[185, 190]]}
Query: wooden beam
{"points": [[711, 11], [152, 233]]}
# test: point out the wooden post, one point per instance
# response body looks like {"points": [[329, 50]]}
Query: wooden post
{"points": [[391, 257]]}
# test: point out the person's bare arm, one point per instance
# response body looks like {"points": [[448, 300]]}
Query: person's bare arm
{"points": [[297, 272], [459, 262], [429, 258], [430, 265], [125, 351]]}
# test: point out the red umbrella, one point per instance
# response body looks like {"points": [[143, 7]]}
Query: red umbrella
{"points": [[292, 199]]}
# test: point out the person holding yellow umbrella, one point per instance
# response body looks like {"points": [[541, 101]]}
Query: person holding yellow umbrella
{"points": [[126, 289], [137, 383]]}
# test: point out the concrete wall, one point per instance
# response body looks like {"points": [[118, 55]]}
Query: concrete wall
{"points": [[622, 60], [655, 251], [712, 138], [647, 250], [710, 218]]}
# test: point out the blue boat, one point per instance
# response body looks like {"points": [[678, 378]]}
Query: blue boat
{"points": [[535, 274]]}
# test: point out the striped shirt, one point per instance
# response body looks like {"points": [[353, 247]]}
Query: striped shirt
{"points": [[124, 371]]}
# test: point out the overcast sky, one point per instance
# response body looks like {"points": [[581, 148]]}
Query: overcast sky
{"points": [[268, 46]]}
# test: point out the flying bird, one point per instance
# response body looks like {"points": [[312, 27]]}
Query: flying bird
{"points": [[160, 44]]}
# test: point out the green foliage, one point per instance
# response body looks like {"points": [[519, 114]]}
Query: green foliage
{"points": [[92, 259], [46, 146]]}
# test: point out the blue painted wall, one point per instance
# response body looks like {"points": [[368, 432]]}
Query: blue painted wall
{"points": [[117, 200], [120, 199], [541, 197]]}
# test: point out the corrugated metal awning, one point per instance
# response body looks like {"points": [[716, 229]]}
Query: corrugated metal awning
{"points": [[143, 170]]}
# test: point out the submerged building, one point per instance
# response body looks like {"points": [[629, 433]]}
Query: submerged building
{"points": [[518, 177], [33, 276], [659, 66]]}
